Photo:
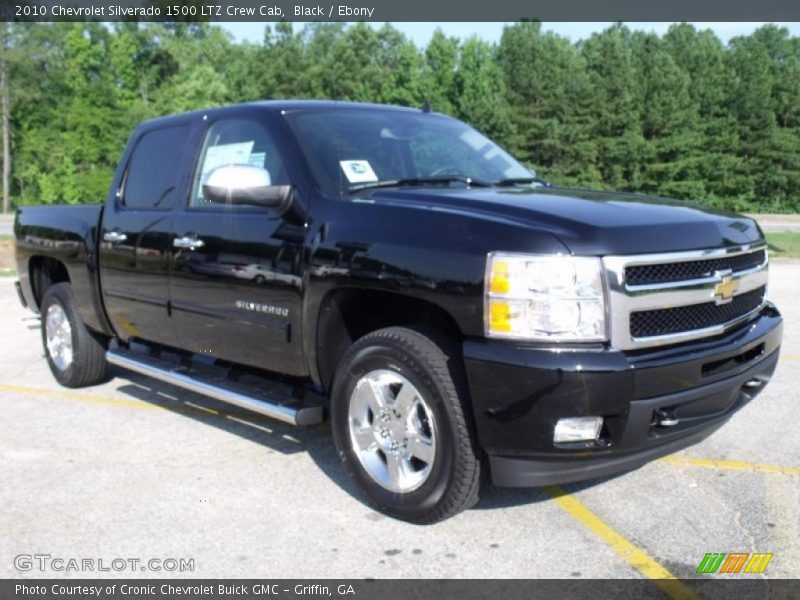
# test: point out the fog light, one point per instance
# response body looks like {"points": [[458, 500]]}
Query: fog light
{"points": [[577, 429]]}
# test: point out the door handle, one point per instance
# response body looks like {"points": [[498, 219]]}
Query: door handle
{"points": [[115, 237], [192, 243]]}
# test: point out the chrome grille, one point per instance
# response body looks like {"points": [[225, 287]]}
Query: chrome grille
{"points": [[693, 269], [666, 321], [659, 299]]}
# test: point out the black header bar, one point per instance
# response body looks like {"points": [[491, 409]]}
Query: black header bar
{"points": [[742, 588], [405, 10]]}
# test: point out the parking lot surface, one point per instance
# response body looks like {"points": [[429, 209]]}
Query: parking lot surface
{"points": [[135, 468]]}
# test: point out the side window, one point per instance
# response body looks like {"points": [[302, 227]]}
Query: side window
{"points": [[236, 142], [154, 169]]}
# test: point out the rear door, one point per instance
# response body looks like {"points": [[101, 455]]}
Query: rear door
{"points": [[135, 236], [237, 277]]}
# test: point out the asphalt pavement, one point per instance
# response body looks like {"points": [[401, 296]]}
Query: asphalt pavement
{"points": [[773, 223], [135, 468]]}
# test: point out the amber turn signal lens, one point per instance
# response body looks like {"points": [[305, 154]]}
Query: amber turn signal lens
{"points": [[499, 282], [499, 316]]}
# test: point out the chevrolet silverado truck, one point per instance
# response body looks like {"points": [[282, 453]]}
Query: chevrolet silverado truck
{"points": [[457, 319]]}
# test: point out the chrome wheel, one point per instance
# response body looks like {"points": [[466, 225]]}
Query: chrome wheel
{"points": [[392, 430], [59, 336]]}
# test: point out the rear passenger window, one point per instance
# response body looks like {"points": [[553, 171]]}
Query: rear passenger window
{"points": [[154, 169]]}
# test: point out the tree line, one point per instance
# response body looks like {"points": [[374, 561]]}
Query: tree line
{"points": [[679, 115]]}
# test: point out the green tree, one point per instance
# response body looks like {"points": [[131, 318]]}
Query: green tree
{"points": [[552, 103], [680, 114], [669, 153], [439, 72], [616, 122], [480, 91]]}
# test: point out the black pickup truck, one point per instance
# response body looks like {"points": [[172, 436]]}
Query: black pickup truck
{"points": [[458, 319]]}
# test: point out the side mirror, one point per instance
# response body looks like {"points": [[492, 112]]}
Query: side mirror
{"points": [[247, 184]]}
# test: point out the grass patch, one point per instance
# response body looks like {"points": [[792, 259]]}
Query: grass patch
{"points": [[783, 244]]}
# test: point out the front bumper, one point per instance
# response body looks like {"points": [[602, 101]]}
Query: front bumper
{"points": [[519, 392]]}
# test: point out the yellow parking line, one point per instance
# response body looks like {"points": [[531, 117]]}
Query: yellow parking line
{"points": [[32, 391], [177, 406], [729, 465], [789, 357], [635, 556], [120, 402]]}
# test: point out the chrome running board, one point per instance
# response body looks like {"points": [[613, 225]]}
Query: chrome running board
{"points": [[260, 399]]}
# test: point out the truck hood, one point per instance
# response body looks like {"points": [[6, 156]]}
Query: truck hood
{"points": [[591, 222]]}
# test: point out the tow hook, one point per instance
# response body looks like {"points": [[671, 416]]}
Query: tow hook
{"points": [[665, 418]]}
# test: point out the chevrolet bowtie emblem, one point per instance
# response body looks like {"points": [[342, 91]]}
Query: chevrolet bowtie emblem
{"points": [[725, 289]]}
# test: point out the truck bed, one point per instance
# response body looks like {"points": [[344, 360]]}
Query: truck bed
{"points": [[68, 234]]}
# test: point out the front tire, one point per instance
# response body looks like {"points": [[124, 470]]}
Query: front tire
{"points": [[75, 355], [400, 425]]}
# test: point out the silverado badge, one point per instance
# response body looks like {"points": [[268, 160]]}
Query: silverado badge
{"points": [[268, 309]]}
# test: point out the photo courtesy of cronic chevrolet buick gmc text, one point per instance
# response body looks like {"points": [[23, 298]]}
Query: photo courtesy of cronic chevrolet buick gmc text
{"points": [[456, 318]]}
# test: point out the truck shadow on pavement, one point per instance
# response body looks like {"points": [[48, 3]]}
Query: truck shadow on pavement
{"points": [[316, 441], [497, 497], [275, 436]]}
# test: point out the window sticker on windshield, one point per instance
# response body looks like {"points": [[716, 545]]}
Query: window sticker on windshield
{"points": [[257, 159], [227, 154], [358, 171]]}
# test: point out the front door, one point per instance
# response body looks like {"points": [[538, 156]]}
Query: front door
{"points": [[135, 237], [237, 277]]}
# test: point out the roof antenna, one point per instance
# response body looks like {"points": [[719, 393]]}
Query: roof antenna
{"points": [[426, 106]]}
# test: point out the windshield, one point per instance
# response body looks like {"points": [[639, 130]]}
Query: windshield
{"points": [[351, 149]]}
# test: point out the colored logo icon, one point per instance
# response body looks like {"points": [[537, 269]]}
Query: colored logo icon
{"points": [[734, 562]]}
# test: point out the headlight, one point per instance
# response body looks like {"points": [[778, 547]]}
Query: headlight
{"points": [[551, 298]]}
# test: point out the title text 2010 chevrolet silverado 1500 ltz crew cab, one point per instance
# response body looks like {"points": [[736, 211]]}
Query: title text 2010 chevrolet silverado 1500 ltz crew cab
{"points": [[457, 319]]}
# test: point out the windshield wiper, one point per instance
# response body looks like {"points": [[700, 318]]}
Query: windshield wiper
{"points": [[420, 181], [520, 181]]}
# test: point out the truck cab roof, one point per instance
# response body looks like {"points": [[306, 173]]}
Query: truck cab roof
{"points": [[276, 106]]}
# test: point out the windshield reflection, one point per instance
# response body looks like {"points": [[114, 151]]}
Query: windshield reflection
{"points": [[351, 148]]}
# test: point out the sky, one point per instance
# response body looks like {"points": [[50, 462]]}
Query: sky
{"points": [[421, 33]]}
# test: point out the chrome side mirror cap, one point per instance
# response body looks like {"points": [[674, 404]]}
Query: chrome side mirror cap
{"points": [[244, 184]]}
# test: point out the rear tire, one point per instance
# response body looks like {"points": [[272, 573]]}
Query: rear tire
{"points": [[76, 356], [401, 428]]}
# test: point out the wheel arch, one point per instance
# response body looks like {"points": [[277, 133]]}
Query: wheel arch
{"points": [[348, 314], [43, 272]]}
